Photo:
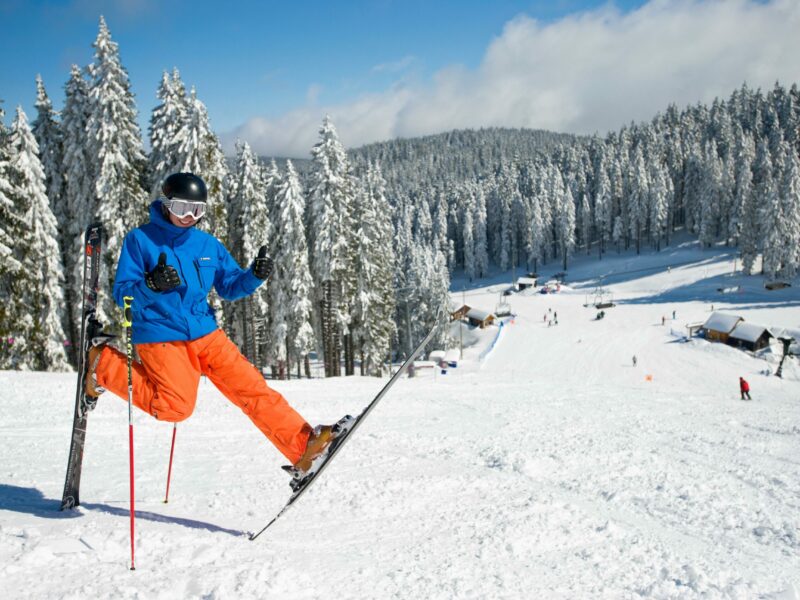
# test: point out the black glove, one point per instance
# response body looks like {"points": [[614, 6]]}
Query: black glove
{"points": [[263, 264], [163, 277]]}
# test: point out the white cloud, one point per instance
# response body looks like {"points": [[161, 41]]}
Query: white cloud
{"points": [[591, 71]]}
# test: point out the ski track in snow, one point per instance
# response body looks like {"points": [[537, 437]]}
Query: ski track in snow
{"points": [[552, 469]]}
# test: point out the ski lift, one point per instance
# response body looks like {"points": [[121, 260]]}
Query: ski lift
{"points": [[503, 308], [602, 298]]}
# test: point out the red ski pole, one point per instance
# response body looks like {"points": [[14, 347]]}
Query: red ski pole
{"points": [[171, 454], [126, 301]]}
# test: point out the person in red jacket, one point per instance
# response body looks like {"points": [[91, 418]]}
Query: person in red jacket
{"points": [[744, 388]]}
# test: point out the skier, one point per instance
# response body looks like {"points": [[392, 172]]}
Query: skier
{"points": [[168, 266], [634, 360], [663, 320], [673, 315], [744, 388]]}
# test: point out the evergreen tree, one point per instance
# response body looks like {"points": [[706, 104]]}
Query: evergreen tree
{"points": [[566, 224], [79, 197], [659, 194], [789, 195], [374, 304], [481, 248], [116, 151], [744, 154], [469, 242], [11, 229], [253, 229], [710, 195], [49, 139], [199, 151], [331, 227], [756, 218], [165, 122], [291, 288], [40, 287]]}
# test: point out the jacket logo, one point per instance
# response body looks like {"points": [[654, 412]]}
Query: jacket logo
{"points": [[205, 258]]}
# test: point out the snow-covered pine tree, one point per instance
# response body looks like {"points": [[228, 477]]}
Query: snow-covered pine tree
{"points": [[566, 224], [758, 218], [48, 136], [659, 202], [374, 306], [710, 195], [481, 248], [166, 120], [429, 285], [536, 243], [789, 193], [79, 197], [618, 233], [40, 289], [585, 220], [331, 238], [11, 228], [638, 199], [469, 235], [253, 229], [116, 151], [291, 288], [603, 208], [199, 151], [743, 156]]}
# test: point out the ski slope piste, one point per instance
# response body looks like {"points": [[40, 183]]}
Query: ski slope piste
{"points": [[552, 469]]}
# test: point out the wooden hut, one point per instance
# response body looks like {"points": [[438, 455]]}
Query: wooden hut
{"points": [[718, 326], [479, 318], [523, 283], [459, 313], [750, 336]]}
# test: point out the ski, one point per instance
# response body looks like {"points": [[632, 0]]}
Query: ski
{"points": [[344, 429], [90, 328]]}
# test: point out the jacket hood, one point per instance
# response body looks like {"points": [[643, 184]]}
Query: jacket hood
{"points": [[157, 218]]}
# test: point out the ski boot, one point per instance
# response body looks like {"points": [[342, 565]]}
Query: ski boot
{"points": [[97, 342], [320, 442]]}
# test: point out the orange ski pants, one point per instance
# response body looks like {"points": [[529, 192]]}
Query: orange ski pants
{"points": [[165, 385]]}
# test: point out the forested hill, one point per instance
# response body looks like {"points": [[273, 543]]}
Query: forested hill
{"points": [[727, 172], [457, 155]]}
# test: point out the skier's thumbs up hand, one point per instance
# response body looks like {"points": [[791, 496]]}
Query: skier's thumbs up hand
{"points": [[263, 264], [163, 277]]}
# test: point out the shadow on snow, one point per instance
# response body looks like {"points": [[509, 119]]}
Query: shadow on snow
{"points": [[31, 501]]}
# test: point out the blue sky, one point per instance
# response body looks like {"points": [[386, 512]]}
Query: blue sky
{"points": [[268, 71]]}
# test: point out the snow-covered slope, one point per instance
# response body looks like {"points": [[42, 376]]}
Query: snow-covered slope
{"points": [[549, 468]]}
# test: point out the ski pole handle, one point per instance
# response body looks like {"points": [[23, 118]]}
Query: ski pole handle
{"points": [[127, 321]]}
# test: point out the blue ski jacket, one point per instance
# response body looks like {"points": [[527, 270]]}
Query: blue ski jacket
{"points": [[181, 314]]}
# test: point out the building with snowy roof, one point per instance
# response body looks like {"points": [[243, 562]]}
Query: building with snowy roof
{"points": [[479, 318], [750, 336], [718, 326], [523, 283]]}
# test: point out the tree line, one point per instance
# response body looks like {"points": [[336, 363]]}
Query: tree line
{"points": [[726, 173], [365, 241], [333, 285]]}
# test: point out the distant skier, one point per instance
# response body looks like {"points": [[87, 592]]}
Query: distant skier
{"points": [[663, 320], [673, 315], [169, 267], [744, 388], [634, 360]]}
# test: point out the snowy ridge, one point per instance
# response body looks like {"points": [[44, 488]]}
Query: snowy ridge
{"points": [[553, 470]]}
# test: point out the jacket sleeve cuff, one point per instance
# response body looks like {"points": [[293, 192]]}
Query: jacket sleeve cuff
{"points": [[250, 281]]}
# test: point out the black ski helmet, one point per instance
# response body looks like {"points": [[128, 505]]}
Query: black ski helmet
{"points": [[185, 186]]}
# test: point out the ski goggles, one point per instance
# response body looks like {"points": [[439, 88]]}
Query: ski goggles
{"points": [[182, 208]]}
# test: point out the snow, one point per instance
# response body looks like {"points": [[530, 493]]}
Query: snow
{"points": [[550, 469]]}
